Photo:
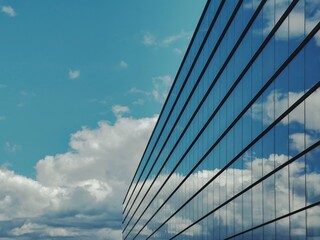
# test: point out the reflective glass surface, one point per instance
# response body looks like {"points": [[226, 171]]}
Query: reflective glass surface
{"points": [[235, 152]]}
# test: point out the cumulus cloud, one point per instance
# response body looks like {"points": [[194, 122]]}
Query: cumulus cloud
{"points": [[118, 110], [299, 141], [8, 10], [42, 230], [77, 193], [74, 74]]}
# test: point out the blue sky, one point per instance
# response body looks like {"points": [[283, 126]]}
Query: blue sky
{"points": [[114, 47], [79, 82], [81, 87]]}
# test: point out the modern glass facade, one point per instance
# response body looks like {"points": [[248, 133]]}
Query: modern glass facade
{"points": [[235, 153]]}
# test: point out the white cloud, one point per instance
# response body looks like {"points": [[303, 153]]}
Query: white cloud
{"points": [[182, 223], [232, 182], [173, 38], [158, 96], [123, 64], [139, 91], [8, 10], [42, 230], [11, 147], [311, 119], [301, 141], [74, 74], [109, 234], [139, 101], [301, 20], [177, 51], [94, 150], [118, 110], [166, 79], [81, 189], [161, 87], [149, 39], [17, 204]]}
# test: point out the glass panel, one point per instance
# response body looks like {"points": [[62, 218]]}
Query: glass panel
{"points": [[298, 226], [282, 229], [313, 220]]}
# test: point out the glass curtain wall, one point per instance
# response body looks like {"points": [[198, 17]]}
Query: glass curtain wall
{"points": [[235, 153]]}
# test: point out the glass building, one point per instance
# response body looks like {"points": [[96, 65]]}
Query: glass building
{"points": [[235, 152]]}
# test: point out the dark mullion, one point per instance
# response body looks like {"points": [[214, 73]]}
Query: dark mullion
{"points": [[221, 103], [283, 66], [175, 101], [277, 219], [176, 121], [211, 86], [171, 110], [174, 82], [185, 105], [279, 119], [188, 99]]}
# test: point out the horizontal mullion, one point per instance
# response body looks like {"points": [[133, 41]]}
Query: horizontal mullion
{"points": [[184, 107], [306, 40], [176, 100], [174, 82], [279, 119], [232, 88], [277, 219], [189, 97]]}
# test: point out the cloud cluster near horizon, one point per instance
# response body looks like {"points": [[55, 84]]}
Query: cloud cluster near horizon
{"points": [[76, 193]]}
